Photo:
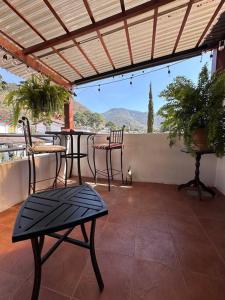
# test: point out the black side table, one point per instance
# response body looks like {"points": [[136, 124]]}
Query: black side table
{"points": [[48, 212], [196, 182]]}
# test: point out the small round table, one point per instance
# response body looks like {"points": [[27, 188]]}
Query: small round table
{"points": [[196, 182]]}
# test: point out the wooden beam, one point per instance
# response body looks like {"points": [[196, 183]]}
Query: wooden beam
{"points": [[31, 62], [127, 33], [86, 4], [154, 31], [33, 56], [120, 17], [146, 64], [67, 31], [210, 22], [183, 24]]}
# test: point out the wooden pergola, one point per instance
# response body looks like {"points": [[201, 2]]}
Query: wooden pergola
{"points": [[75, 42]]}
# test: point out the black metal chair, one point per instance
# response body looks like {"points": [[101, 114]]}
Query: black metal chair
{"points": [[115, 142], [32, 150]]}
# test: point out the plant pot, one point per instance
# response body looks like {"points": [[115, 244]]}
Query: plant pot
{"points": [[199, 138]]}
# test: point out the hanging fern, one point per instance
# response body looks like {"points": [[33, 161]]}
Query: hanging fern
{"points": [[39, 98]]}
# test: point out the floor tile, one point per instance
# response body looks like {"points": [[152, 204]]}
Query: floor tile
{"points": [[156, 246]]}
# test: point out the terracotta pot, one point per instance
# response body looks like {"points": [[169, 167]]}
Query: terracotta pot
{"points": [[199, 137]]}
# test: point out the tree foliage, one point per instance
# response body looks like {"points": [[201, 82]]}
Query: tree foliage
{"points": [[3, 84], [89, 119], [37, 97], [191, 106], [150, 120]]}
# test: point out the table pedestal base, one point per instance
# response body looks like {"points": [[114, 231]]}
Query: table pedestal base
{"points": [[196, 182]]}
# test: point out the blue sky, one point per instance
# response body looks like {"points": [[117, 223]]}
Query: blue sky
{"points": [[135, 96]]}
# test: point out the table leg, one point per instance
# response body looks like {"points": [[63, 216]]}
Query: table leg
{"points": [[37, 245], [184, 185], [83, 229], [207, 189], [93, 256]]}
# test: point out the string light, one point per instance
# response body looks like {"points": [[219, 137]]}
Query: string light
{"points": [[211, 55], [99, 89], [134, 76], [4, 58], [131, 81], [201, 58], [168, 70]]}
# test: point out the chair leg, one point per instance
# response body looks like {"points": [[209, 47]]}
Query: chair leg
{"points": [[29, 169], [34, 173], [56, 170], [107, 168], [110, 153], [66, 167], [121, 164], [95, 171]]}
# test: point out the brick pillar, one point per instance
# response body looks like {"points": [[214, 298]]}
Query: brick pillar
{"points": [[68, 114]]}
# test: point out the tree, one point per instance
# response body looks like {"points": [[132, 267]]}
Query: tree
{"points": [[3, 84], [111, 125], [89, 119], [150, 119]]}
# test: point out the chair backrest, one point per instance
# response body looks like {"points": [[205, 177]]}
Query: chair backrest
{"points": [[116, 136], [26, 129]]}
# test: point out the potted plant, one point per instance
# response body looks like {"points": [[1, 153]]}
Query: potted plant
{"points": [[38, 97], [196, 112]]}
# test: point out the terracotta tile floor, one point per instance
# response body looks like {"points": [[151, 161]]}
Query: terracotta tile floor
{"points": [[155, 244]]}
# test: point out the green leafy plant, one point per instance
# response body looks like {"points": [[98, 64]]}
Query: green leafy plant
{"points": [[191, 106], [38, 97], [3, 84]]}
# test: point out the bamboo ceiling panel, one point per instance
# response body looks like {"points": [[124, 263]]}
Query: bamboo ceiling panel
{"points": [[72, 12], [167, 30], [199, 16], [141, 41], [85, 40]]}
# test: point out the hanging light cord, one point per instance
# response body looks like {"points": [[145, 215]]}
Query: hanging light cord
{"points": [[133, 76]]}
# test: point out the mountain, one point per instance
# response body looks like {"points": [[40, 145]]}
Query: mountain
{"points": [[77, 106], [135, 120]]}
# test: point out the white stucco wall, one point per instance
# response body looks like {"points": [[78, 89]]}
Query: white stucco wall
{"points": [[152, 160], [149, 155], [14, 179], [220, 175]]}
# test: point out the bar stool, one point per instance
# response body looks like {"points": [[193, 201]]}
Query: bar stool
{"points": [[33, 150], [115, 142]]}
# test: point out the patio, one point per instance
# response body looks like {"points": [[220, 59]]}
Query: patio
{"points": [[155, 243]]}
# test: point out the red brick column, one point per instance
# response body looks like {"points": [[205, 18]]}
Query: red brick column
{"points": [[68, 114]]}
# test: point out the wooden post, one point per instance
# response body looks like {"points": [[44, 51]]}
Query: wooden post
{"points": [[68, 114], [220, 60]]}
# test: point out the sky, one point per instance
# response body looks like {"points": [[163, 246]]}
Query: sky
{"points": [[135, 96]]}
